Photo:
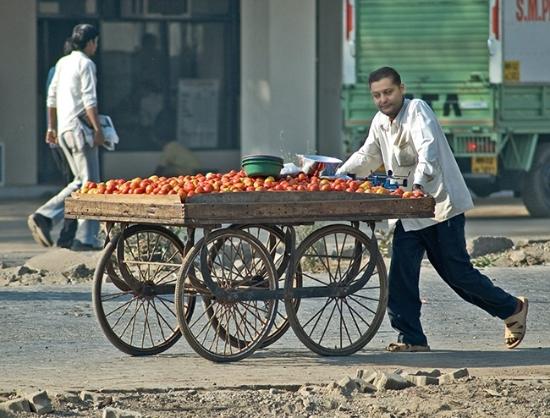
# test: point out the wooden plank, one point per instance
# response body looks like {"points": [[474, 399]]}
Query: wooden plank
{"points": [[282, 197], [127, 198], [165, 209], [354, 209], [264, 207]]}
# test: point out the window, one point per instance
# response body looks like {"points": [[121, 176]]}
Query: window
{"points": [[67, 7], [170, 78], [154, 8]]}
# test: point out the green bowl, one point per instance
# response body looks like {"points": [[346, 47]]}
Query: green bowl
{"points": [[262, 165], [262, 168]]}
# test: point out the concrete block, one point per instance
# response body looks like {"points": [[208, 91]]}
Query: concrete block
{"points": [[119, 413], [453, 376], [94, 397], [6, 414], [432, 373], [87, 396], [371, 378], [423, 380], [347, 385], [391, 381], [364, 387], [40, 402], [16, 405], [488, 245]]}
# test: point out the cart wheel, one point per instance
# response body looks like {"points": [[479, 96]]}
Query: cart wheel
{"points": [[224, 331], [140, 319], [111, 267], [337, 255], [273, 239]]}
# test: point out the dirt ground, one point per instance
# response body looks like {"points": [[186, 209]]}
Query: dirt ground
{"points": [[473, 396], [467, 397]]}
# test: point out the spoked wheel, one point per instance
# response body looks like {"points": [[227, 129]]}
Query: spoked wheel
{"points": [[111, 267], [139, 317], [224, 330], [337, 256], [273, 239]]}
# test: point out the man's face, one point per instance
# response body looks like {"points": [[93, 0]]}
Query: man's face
{"points": [[91, 47], [387, 96]]}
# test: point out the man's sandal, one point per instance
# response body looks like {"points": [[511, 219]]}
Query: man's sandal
{"points": [[407, 348], [516, 325]]}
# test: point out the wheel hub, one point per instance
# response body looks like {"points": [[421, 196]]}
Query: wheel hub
{"points": [[148, 291]]}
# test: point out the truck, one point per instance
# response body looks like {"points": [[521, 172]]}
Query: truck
{"points": [[484, 68]]}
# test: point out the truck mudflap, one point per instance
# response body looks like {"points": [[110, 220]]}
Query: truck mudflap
{"points": [[536, 184]]}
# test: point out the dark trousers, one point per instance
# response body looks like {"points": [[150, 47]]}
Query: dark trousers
{"points": [[445, 246]]}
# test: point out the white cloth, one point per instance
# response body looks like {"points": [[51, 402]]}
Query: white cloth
{"points": [[415, 146], [108, 129], [72, 90]]}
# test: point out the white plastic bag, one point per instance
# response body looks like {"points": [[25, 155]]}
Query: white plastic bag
{"points": [[109, 132]]}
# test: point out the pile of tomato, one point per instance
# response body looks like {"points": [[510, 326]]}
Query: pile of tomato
{"points": [[236, 181]]}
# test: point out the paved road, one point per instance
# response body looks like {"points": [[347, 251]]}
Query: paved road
{"points": [[507, 217], [50, 339], [49, 336]]}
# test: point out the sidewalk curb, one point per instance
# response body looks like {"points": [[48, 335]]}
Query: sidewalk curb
{"points": [[28, 192]]}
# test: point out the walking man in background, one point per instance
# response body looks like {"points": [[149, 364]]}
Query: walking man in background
{"points": [[72, 99]]}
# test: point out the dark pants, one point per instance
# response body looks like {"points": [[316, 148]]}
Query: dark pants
{"points": [[445, 246]]}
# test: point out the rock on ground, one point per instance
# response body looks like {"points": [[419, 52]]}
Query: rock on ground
{"points": [[463, 396]]}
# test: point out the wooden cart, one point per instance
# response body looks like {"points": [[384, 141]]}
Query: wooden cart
{"points": [[226, 291]]}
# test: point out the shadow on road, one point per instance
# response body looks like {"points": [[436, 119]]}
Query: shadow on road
{"points": [[435, 359], [21, 295]]}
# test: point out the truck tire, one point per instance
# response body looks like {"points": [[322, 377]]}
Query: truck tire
{"points": [[536, 187]]}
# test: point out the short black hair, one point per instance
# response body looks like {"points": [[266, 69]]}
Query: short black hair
{"points": [[385, 72], [82, 34]]}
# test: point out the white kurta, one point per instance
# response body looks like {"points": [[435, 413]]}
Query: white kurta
{"points": [[414, 145], [72, 90]]}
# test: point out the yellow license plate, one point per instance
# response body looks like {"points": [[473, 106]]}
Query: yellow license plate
{"points": [[484, 165]]}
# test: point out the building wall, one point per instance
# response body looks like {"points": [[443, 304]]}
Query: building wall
{"points": [[132, 164], [278, 77], [329, 78], [18, 117], [278, 89]]}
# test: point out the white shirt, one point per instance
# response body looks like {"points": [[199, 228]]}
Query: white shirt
{"points": [[414, 145], [73, 89]]}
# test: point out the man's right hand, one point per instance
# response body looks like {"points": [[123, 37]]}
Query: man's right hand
{"points": [[99, 138], [51, 136]]}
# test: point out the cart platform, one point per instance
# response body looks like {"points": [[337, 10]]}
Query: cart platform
{"points": [[258, 207], [224, 291]]}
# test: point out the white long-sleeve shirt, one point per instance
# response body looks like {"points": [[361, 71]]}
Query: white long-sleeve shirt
{"points": [[414, 145], [73, 89]]}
